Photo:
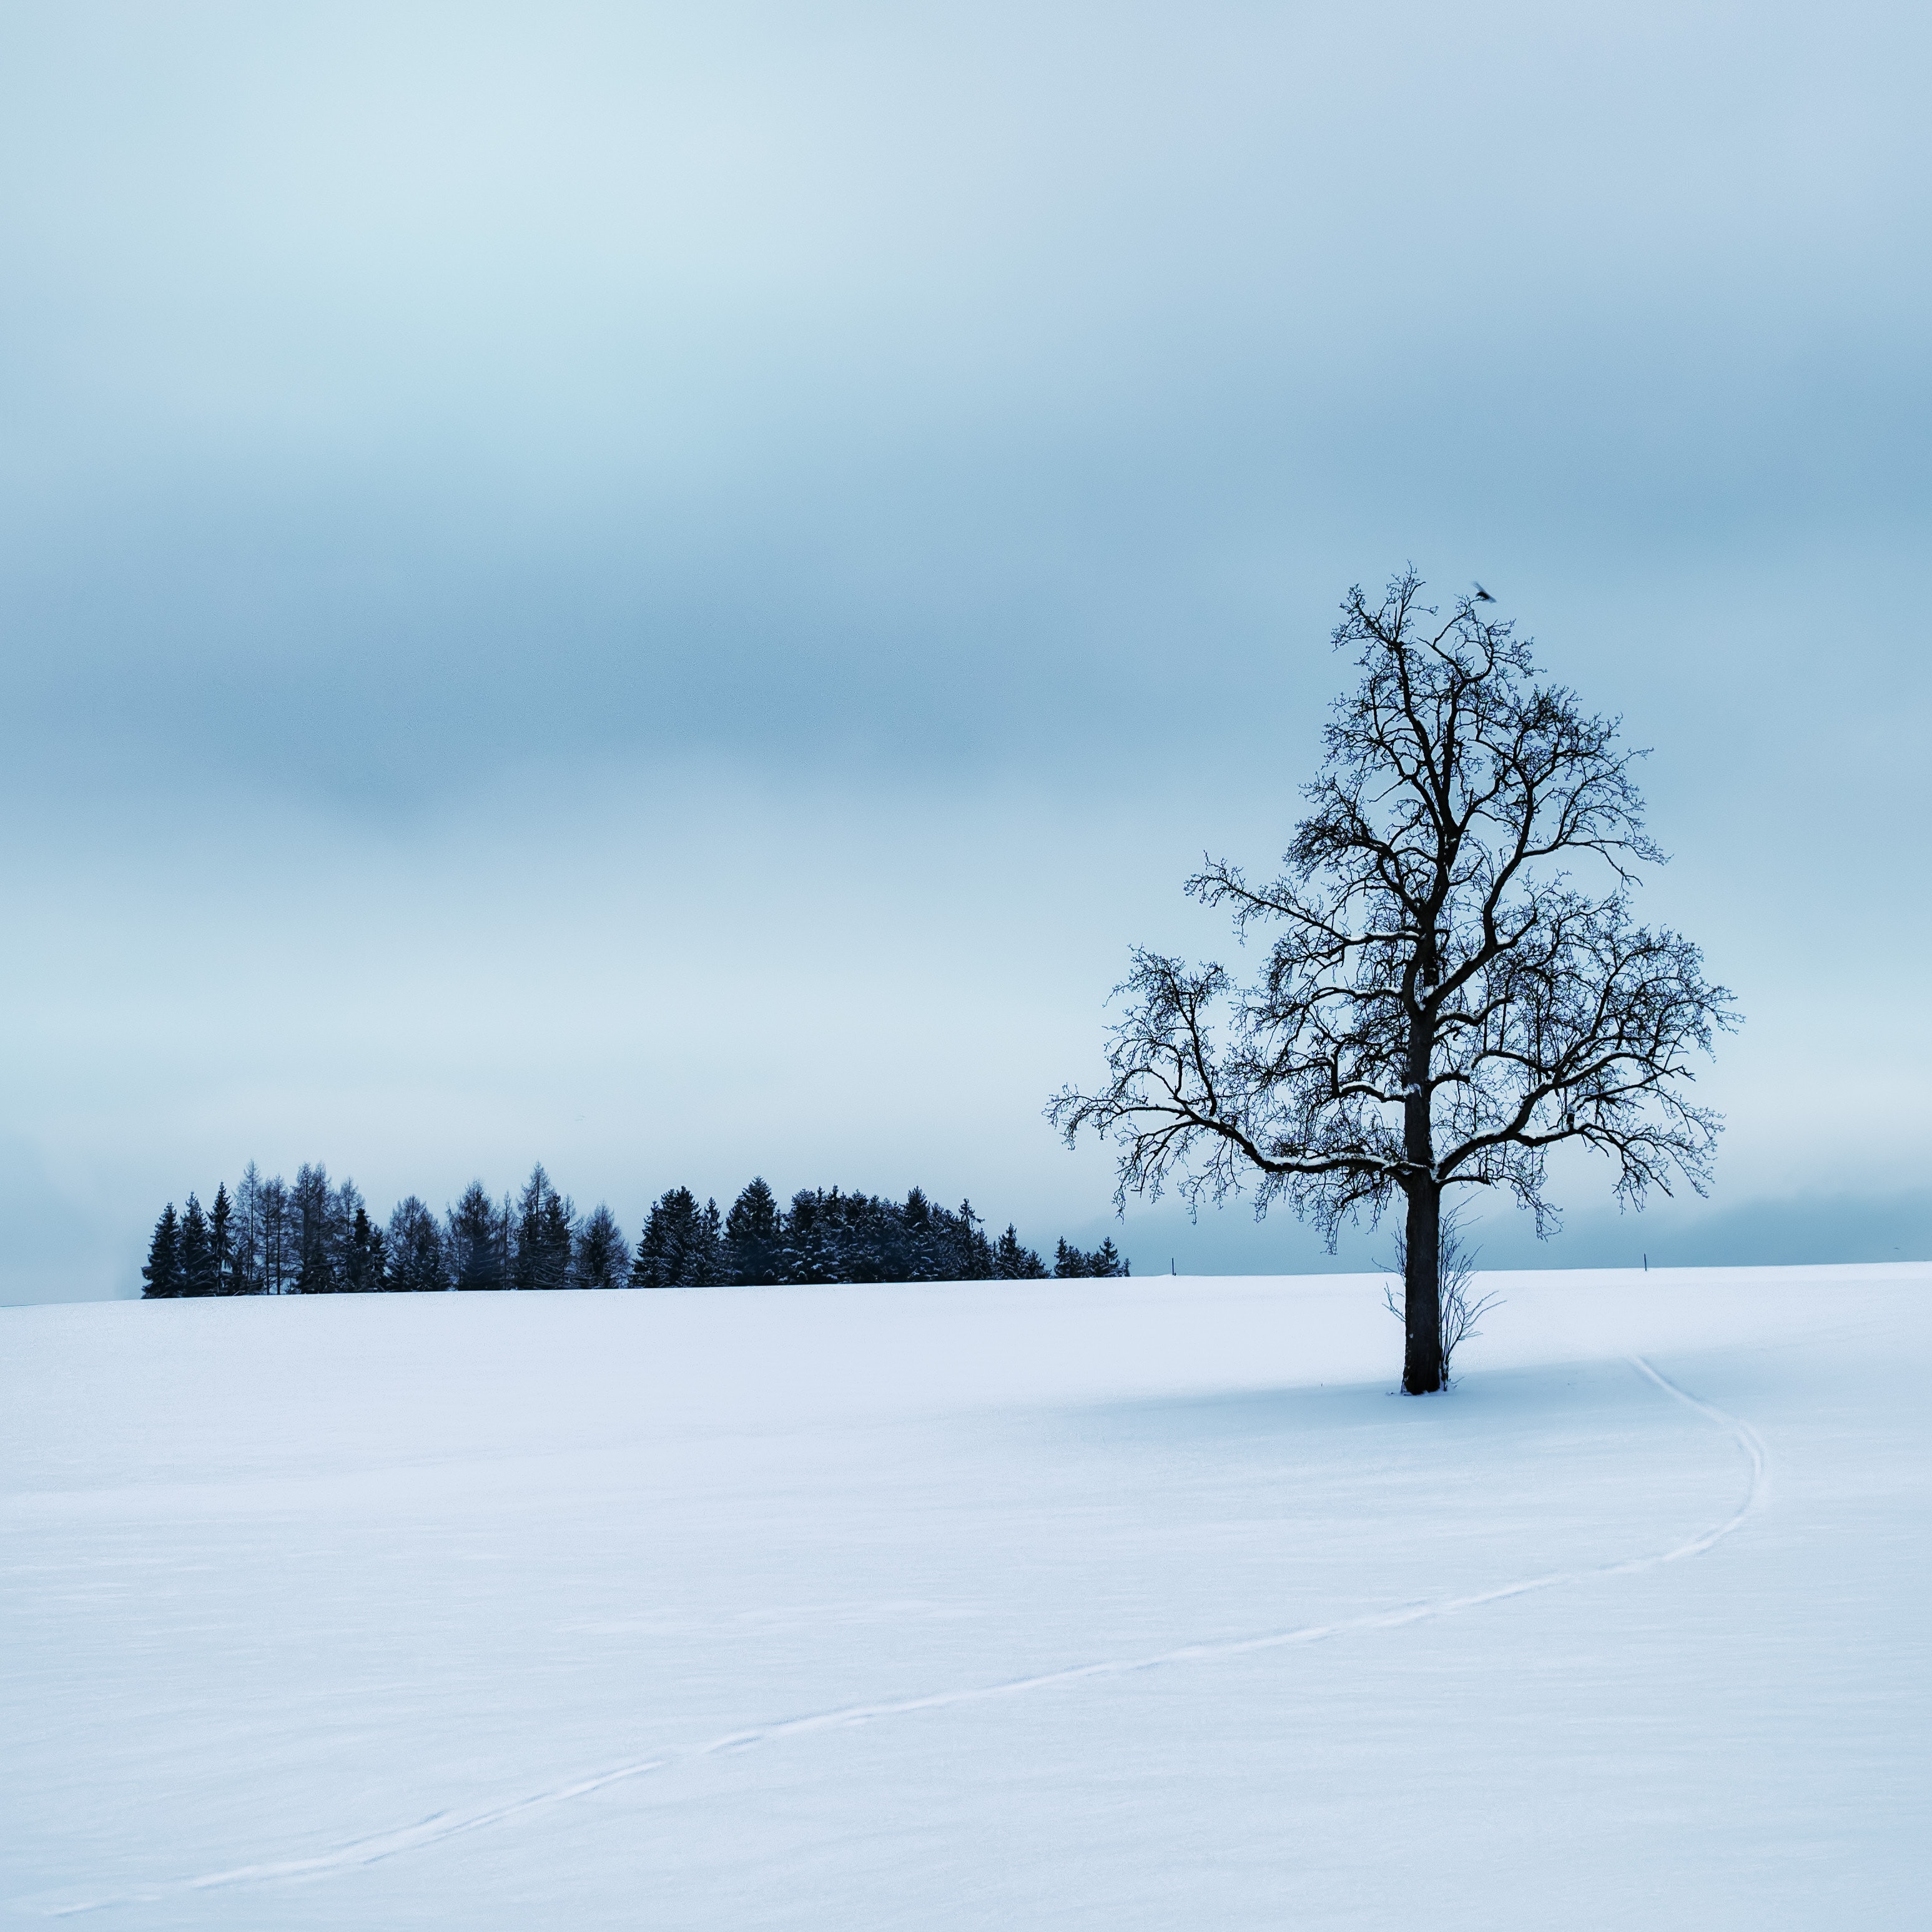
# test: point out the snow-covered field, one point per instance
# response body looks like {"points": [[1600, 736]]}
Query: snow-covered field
{"points": [[1080, 1604]]}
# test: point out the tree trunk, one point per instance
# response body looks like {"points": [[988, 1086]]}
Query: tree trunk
{"points": [[1422, 1304], [1422, 1257]]}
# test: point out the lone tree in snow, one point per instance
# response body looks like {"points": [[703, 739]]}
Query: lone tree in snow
{"points": [[1447, 997]]}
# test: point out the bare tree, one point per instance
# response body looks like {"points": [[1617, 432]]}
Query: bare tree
{"points": [[1446, 999]]}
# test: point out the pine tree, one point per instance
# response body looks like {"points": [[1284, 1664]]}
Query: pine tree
{"points": [[417, 1263], [345, 1204], [557, 1239], [362, 1255], [163, 1273], [1106, 1260], [1069, 1263], [220, 1239], [754, 1237], [974, 1253], [477, 1239], [681, 1246], [546, 1227], [1013, 1262], [602, 1255], [705, 1263], [197, 1256]]}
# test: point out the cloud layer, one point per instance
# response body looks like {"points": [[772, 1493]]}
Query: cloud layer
{"points": [[669, 595]]}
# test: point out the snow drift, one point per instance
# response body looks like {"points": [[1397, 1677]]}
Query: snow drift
{"points": [[1082, 1604]]}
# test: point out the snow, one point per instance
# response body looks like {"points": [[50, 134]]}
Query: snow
{"points": [[1081, 1603]]}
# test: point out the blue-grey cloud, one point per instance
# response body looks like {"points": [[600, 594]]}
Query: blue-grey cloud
{"points": [[617, 476]]}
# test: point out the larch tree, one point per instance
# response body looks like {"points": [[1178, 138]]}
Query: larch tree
{"points": [[1456, 984]]}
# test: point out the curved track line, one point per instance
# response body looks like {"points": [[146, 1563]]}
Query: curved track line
{"points": [[443, 1825]]}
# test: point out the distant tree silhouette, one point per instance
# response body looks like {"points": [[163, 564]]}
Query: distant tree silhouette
{"points": [[546, 1230], [602, 1258], [754, 1235], [220, 1239], [316, 1238], [681, 1245], [163, 1273], [417, 1263], [362, 1259], [316, 1271], [1013, 1261], [476, 1248], [197, 1252]]}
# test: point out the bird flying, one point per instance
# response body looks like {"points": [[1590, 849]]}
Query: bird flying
{"points": [[1482, 596]]}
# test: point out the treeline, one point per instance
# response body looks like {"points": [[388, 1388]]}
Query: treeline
{"points": [[314, 1236]]}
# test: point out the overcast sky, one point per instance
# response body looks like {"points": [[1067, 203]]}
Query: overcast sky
{"points": [[667, 590]]}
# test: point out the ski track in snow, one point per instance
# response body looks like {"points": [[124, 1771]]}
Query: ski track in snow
{"points": [[441, 1825]]}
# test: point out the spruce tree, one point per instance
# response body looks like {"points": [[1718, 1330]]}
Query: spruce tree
{"points": [[602, 1255], [1013, 1262], [556, 1238], [197, 1254], [221, 1240], [546, 1227], [681, 1246], [163, 1273], [362, 1256], [476, 1241], [974, 1253], [754, 1238]]}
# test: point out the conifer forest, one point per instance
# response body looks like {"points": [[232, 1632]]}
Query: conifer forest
{"points": [[315, 1236]]}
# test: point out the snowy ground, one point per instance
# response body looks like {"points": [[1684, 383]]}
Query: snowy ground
{"points": [[1079, 1604]]}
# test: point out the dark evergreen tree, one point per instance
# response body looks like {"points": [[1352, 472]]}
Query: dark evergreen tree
{"points": [[972, 1253], [414, 1251], [163, 1273], [753, 1236], [546, 1229], [1070, 1263], [681, 1246], [602, 1256], [316, 1271], [345, 1204], [221, 1239], [558, 1236], [476, 1239], [197, 1253], [1013, 1262], [362, 1256]]}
